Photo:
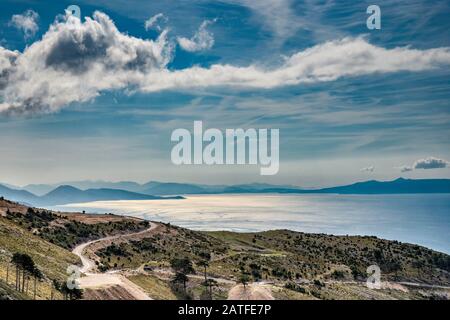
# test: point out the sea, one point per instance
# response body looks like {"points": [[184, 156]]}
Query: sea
{"points": [[422, 219]]}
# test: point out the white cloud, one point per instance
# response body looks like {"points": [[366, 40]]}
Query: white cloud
{"points": [[75, 62], [368, 169], [202, 39], [152, 22], [430, 163], [427, 163], [406, 168], [276, 15], [325, 62], [26, 22]]}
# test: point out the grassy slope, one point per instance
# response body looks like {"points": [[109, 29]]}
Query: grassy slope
{"points": [[154, 287], [49, 258], [47, 237], [280, 256], [284, 256], [52, 259], [301, 255], [8, 293], [68, 230]]}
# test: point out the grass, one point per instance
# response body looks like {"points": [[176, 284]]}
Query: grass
{"points": [[154, 287], [49, 258], [67, 231], [8, 293], [301, 255], [284, 255]]}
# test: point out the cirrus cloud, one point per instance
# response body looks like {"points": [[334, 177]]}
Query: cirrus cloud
{"points": [[76, 61]]}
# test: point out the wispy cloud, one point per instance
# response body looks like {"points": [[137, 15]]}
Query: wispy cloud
{"points": [[202, 39], [154, 22], [26, 22], [406, 168], [275, 14], [368, 169], [75, 62]]}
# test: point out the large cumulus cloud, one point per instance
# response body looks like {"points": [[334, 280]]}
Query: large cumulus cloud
{"points": [[76, 61]]}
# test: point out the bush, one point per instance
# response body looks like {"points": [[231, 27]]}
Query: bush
{"points": [[338, 274], [295, 287]]}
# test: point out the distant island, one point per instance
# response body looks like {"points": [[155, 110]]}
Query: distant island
{"points": [[87, 191], [68, 194]]}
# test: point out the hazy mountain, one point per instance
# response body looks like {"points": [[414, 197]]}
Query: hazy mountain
{"points": [[397, 186], [10, 186], [167, 188], [39, 189], [22, 196], [122, 185], [258, 188], [368, 187], [171, 188], [151, 190], [69, 194], [42, 189], [263, 186], [391, 187], [154, 187]]}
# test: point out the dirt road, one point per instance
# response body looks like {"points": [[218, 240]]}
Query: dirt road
{"points": [[253, 291], [94, 280]]}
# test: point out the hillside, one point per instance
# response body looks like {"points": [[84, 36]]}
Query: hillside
{"points": [[51, 259], [283, 254], [294, 265], [279, 264], [47, 237]]}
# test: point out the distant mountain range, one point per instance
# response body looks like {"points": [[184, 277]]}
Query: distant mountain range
{"points": [[86, 191], [398, 186], [152, 187], [68, 194], [42, 189], [17, 195]]}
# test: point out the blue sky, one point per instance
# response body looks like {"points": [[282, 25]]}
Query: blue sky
{"points": [[359, 125]]}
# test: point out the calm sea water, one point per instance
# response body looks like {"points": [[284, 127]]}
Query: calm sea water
{"points": [[415, 218]]}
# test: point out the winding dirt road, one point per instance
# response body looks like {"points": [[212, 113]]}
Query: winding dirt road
{"points": [[95, 280], [253, 291]]}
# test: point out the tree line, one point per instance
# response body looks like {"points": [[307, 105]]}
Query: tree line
{"points": [[26, 269]]}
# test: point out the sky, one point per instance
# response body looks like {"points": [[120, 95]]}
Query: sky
{"points": [[98, 98]]}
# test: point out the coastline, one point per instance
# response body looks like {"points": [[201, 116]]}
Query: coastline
{"points": [[405, 218]]}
